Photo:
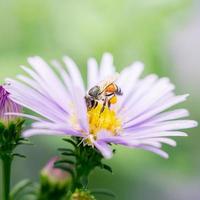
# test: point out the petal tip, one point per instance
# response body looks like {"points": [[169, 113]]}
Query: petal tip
{"points": [[195, 124]]}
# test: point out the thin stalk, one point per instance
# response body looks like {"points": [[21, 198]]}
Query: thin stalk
{"points": [[6, 167]]}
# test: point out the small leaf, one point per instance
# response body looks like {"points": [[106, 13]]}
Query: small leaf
{"points": [[67, 154], [64, 161], [107, 167], [19, 155], [19, 188], [65, 150], [70, 141], [104, 192]]}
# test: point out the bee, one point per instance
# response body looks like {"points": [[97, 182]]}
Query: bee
{"points": [[105, 92]]}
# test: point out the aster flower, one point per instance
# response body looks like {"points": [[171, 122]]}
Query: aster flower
{"points": [[140, 118]]}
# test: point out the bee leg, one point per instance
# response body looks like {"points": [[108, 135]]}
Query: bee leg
{"points": [[96, 104], [104, 105], [103, 108], [90, 104], [109, 104]]}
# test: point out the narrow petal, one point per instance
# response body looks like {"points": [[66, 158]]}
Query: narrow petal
{"points": [[134, 71], [31, 83], [80, 109], [74, 73], [33, 100], [66, 128], [104, 149], [55, 88], [140, 89], [39, 84], [160, 88], [149, 134], [106, 66], [165, 140], [92, 73], [170, 115], [155, 150], [32, 132], [152, 112], [107, 137], [36, 78], [25, 116], [165, 126], [64, 75]]}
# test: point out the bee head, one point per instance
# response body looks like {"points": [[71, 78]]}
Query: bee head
{"points": [[94, 91]]}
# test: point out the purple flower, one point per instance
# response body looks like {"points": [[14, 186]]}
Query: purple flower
{"points": [[140, 119], [7, 106]]}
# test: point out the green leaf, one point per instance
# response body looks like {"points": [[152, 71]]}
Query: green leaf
{"points": [[65, 150], [64, 161], [67, 154], [19, 155], [20, 189], [104, 192], [70, 141], [107, 167]]}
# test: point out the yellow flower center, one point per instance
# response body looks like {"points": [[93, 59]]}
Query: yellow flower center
{"points": [[106, 120]]}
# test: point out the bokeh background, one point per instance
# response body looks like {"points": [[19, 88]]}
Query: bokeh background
{"points": [[165, 35]]}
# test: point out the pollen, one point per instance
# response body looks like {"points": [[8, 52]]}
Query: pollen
{"points": [[106, 120]]}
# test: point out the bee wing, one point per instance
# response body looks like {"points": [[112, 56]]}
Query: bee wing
{"points": [[107, 81]]}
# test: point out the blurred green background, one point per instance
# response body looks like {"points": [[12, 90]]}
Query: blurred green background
{"points": [[163, 34]]}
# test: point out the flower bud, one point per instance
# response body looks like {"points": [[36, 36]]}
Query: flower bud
{"points": [[55, 175], [7, 106], [53, 181], [10, 126]]}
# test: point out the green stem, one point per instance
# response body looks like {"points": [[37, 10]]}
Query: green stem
{"points": [[6, 161], [79, 182]]}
